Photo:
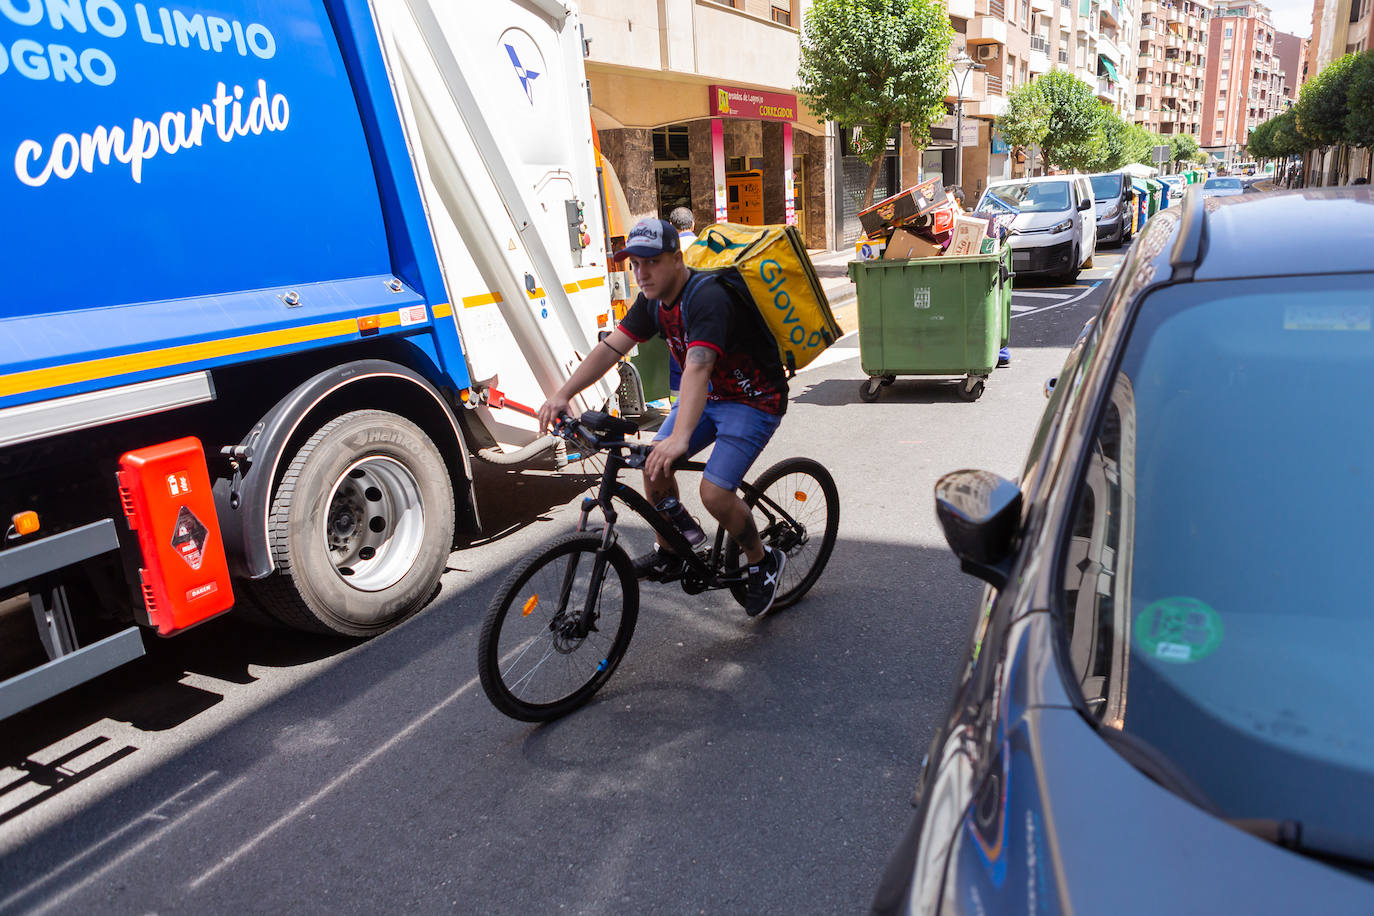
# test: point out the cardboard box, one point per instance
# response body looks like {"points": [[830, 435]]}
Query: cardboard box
{"points": [[903, 207], [866, 249], [969, 233], [906, 244]]}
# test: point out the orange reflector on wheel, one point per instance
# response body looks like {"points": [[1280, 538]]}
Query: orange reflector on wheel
{"points": [[530, 605], [799, 496]]}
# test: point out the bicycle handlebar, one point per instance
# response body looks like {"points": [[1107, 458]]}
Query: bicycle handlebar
{"points": [[598, 430]]}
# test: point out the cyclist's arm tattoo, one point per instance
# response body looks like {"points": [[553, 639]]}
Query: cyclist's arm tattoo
{"points": [[701, 356]]}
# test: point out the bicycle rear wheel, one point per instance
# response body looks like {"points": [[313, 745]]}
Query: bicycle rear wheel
{"points": [[796, 507], [536, 657]]}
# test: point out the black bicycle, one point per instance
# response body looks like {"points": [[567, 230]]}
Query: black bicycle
{"points": [[562, 620]]}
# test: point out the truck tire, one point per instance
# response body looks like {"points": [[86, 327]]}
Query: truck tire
{"points": [[361, 527]]}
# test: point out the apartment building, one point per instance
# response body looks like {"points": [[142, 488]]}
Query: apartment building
{"points": [[1017, 41], [1245, 82], [694, 105], [1339, 27], [1171, 76], [1289, 55]]}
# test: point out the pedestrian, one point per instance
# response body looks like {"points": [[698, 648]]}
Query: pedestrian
{"points": [[684, 222], [734, 393]]}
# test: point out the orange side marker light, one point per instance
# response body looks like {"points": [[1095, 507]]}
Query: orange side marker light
{"points": [[799, 496], [25, 523]]}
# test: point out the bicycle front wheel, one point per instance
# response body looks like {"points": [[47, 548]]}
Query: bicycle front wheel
{"points": [[796, 507], [557, 628]]}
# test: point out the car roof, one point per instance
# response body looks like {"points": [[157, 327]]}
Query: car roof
{"points": [[1036, 179], [1332, 231]]}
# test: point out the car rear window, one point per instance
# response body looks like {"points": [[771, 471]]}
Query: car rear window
{"points": [[1215, 584], [1222, 183]]}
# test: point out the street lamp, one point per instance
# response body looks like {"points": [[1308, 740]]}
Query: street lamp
{"points": [[961, 66]]}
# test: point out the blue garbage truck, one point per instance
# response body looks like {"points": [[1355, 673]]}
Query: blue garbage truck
{"points": [[276, 274]]}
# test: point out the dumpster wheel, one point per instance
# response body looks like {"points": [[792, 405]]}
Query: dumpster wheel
{"points": [[971, 388], [868, 390]]}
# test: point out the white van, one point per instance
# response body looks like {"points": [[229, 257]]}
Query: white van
{"points": [[1055, 230]]}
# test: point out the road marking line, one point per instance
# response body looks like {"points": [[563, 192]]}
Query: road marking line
{"points": [[303, 806], [1019, 292], [1056, 305], [1024, 308]]}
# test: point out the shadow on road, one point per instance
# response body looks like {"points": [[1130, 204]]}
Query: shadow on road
{"points": [[721, 747]]}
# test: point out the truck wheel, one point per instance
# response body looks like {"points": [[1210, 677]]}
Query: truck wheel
{"points": [[361, 527]]}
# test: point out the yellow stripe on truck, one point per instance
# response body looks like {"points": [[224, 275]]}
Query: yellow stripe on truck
{"points": [[150, 360], [481, 299]]}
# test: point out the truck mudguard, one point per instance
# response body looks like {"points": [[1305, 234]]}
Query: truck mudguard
{"points": [[244, 502]]}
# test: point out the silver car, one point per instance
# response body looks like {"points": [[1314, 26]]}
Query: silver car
{"points": [[1223, 187]]}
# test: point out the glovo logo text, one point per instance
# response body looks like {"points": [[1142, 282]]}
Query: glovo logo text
{"points": [[771, 273]]}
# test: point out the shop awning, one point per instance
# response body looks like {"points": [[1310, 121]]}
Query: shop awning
{"points": [[1107, 65]]}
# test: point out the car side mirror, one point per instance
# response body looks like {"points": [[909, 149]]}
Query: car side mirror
{"points": [[1085, 205], [979, 512]]}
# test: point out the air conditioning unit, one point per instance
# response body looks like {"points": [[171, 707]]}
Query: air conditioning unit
{"points": [[988, 52]]}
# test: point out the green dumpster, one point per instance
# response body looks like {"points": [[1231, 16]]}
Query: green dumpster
{"points": [[932, 316], [1157, 191]]}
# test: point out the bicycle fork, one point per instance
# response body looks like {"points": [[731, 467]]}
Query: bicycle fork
{"points": [[585, 621]]}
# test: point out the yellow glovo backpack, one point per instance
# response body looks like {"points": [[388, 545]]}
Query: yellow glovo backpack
{"points": [[768, 265]]}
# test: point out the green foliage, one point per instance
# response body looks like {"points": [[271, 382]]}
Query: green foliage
{"points": [[1114, 134], [876, 64], [1359, 119], [1027, 118], [1060, 113], [1322, 103], [1140, 144], [1185, 147], [1073, 139]]}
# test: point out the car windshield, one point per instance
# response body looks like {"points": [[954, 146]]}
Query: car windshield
{"points": [[1030, 196], [1105, 187], [1213, 184], [1214, 582]]}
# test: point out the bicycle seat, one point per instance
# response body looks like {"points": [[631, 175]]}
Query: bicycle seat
{"points": [[600, 422]]}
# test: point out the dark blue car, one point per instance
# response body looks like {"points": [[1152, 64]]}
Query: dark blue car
{"points": [[1168, 701]]}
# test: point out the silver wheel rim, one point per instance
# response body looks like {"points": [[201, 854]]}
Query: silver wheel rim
{"points": [[375, 524]]}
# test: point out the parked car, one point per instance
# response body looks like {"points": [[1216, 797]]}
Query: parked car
{"points": [[1226, 186], [1176, 184], [1111, 200], [1170, 668], [1055, 230]]}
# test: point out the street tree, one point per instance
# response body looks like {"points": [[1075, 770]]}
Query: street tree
{"points": [[1073, 137], [875, 65], [1359, 118], [1027, 118], [1322, 103], [1185, 147]]}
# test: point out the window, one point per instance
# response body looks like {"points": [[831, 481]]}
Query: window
{"points": [[782, 16], [1227, 33], [670, 144]]}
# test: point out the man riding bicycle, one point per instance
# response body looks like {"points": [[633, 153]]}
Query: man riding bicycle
{"points": [[733, 393]]}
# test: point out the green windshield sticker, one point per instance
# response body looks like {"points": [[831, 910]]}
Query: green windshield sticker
{"points": [[1179, 630], [1326, 318]]}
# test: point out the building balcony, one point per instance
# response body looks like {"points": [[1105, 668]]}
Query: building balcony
{"points": [[1108, 48], [1106, 90], [987, 30], [962, 9], [1042, 6]]}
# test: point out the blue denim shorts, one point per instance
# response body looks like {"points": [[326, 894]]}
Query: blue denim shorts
{"points": [[739, 431]]}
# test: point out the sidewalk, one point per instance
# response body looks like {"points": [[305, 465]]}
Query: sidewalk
{"points": [[831, 268]]}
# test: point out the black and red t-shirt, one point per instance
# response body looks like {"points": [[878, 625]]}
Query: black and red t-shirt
{"points": [[747, 366]]}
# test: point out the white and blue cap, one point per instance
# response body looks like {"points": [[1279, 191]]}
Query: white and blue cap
{"points": [[650, 238]]}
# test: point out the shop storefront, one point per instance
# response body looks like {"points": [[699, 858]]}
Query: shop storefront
{"points": [[728, 153]]}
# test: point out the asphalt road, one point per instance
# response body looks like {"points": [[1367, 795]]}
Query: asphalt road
{"points": [[730, 766]]}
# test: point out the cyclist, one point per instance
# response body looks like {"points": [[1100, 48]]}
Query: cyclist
{"points": [[733, 393]]}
